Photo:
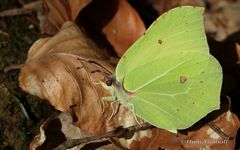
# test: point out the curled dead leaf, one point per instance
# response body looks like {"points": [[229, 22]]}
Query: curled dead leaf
{"points": [[117, 20], [66, 70], [58, 69], [162, 6], [221, 19], [238, 52], [124, 28], [55, 13], [62, 127]]}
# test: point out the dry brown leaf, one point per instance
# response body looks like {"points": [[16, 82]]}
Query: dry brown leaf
{"points": [[61, 126], [222, 19], [66, 70], [162, 6], [238, 52], [116, 20], [55, 12], [27, 8], [124, 28]]}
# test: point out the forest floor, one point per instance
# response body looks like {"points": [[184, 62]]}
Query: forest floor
{"points": [[20, 113], [17, 129]]}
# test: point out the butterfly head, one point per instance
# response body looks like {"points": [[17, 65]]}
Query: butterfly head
{"points": [[110, 80]]}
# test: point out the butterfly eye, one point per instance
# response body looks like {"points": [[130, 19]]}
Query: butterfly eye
{"points": [[110, 81]]}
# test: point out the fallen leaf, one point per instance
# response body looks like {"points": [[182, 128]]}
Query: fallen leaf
{"points": [[27, 8], [60, 125], [55, 13], [116, 21], [221, 20], [162, 6], [51, 129], [238, 52], [66, 70], [124, 28]]}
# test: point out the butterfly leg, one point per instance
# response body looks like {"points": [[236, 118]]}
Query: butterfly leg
{"points": [[113, 100], [114, 109], [109, 98], [133, 111]]}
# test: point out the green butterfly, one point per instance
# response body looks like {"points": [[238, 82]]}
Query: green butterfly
{"points": [[168, 78]]}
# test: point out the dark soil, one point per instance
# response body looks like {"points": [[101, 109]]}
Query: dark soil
{"points": [[16, 129]]}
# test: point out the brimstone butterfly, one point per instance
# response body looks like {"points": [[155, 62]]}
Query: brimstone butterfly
{"points": [[167, 77]]}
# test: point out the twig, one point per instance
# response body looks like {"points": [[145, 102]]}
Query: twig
{"points": [[119, 133], [4, 33], [27, 8], [12, 67], [215, 128]]}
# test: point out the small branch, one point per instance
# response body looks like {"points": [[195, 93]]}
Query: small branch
{"points": [[215, 128], [120, 132], [27, 8], [12, 67], [4, 33]]}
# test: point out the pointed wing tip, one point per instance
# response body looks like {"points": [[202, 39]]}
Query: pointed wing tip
{"points": [[195, 8]]}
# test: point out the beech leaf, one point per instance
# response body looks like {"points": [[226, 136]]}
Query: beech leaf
{"points": [[55, 12], [65, 70], [118, 21]]}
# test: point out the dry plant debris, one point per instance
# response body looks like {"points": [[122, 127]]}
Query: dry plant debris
{"points": [[66, 69]]}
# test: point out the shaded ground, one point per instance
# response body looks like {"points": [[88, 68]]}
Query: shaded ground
{"points": [[16, 131]]}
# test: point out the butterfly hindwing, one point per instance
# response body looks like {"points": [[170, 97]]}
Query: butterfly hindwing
{"points": [[181, 97]]}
